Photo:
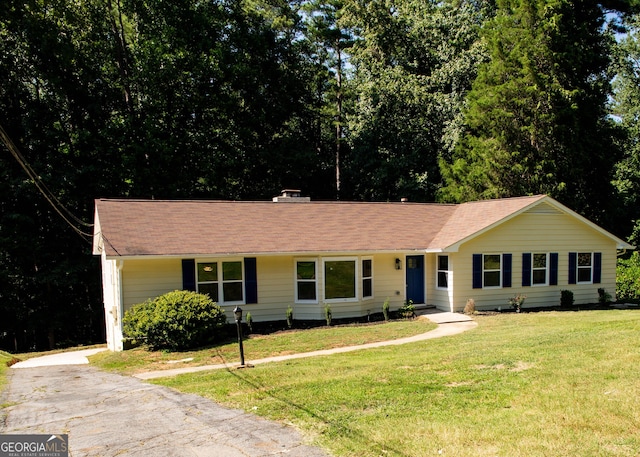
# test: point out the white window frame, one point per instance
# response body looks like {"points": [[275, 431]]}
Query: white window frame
{"points": [[446, 272], [534, 269], [484, 271], [296, 279], [220, 280], [356, 284], [216, 281], [363, 278], [590, 267]]}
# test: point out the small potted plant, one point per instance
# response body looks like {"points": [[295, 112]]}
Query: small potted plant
{"points": [[517, 301]]}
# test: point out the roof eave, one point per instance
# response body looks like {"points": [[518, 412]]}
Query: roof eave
{"points": [[268, 254]]}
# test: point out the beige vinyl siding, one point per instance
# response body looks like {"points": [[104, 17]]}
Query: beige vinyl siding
{"points": [[535, 232], [147, 279], [276, 288], [388, 283]]}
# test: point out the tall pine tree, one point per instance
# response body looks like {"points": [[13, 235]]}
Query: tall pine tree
{"points": [[626, 108], [536, 119]]}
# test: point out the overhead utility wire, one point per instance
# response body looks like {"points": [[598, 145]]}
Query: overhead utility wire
{"points": [[48, 195], [34, 176]]}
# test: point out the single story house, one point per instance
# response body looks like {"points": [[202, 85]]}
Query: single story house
{"points": [[267, 256]]}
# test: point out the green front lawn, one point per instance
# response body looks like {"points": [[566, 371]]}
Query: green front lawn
{"points": [[4, 358], [261, 346], [532, 384]]}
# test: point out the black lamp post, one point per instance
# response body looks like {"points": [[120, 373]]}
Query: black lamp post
{"points": [[238, 313]]}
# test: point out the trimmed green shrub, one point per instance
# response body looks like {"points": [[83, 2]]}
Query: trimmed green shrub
{"points": [[385, 309], [566, 298], [604, 297], [628, 278], [176, 320]]}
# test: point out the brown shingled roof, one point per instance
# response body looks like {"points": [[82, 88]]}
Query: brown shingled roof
{"points": [[168, 228], [472, 218]]}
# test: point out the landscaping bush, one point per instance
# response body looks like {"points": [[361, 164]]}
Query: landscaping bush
{"points": [[604, 297], [470, 307], [628, 278], [517, 301], [385, 309], [289, 315], [250, 322], [176, 320], [566, 298], [407, 311]]}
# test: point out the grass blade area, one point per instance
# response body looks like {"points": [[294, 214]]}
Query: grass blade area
{"points": [[532, 384], [261, 346], [5, 357]]}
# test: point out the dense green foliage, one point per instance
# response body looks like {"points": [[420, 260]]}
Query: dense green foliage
{"points": [[536, 120], [626, 108], [414, 63], [628, 278], [237, 99], [177, 320]]}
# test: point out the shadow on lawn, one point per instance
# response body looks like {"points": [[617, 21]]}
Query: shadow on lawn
{"points": [[575, 308], [340, 428]]}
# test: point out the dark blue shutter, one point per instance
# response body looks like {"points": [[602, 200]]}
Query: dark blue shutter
{"points": [[477, 271], [597, 267], [526, 269], [506, 270], [573, 266], [251, 280], [189, 274], [553, 270]]}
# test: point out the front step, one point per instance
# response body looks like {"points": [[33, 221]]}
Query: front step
{"points": [[424, 306]]}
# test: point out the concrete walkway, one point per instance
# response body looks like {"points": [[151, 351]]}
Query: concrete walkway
{"points": [[107, 414], [63, 358]]}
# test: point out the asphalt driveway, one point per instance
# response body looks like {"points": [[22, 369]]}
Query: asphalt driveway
{"points": [[106, 414]]}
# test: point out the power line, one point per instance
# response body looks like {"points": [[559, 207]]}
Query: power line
{"points": [[55, 203]]}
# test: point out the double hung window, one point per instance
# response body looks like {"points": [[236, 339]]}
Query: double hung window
{"points": [[491, 270], [585, 265], [222, 281], [367, 278], [443, 272], [539, 269], [306, 281]]}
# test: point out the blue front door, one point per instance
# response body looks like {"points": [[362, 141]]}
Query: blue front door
{"points": [[415, 278]]}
